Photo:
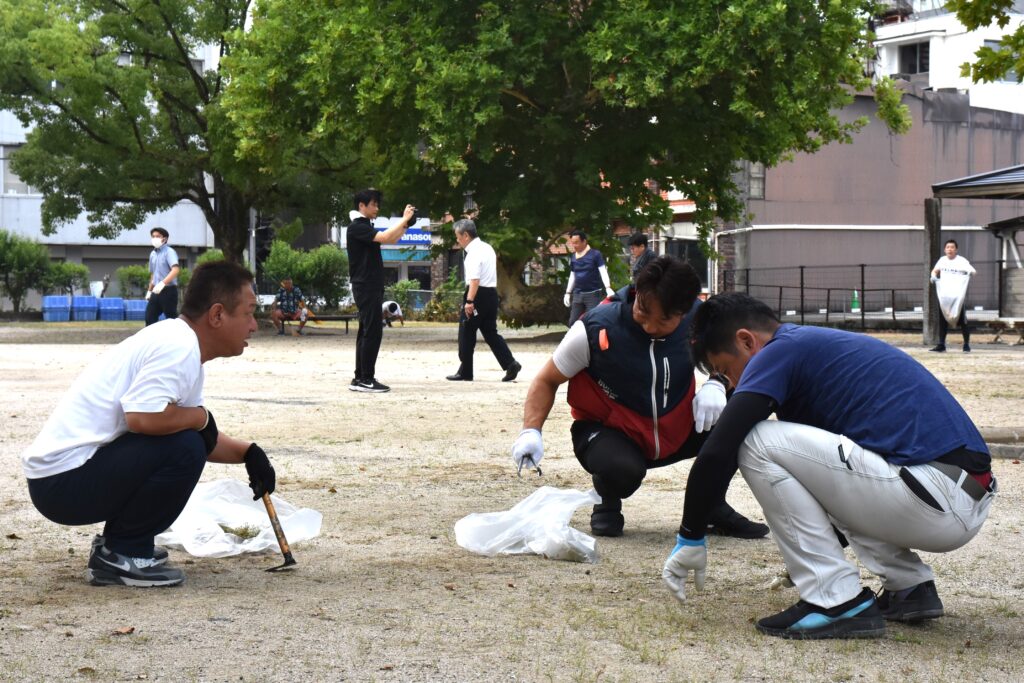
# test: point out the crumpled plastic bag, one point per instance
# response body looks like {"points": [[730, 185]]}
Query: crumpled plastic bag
{"points": [[951, 290], [229, 502], [538, 524]]}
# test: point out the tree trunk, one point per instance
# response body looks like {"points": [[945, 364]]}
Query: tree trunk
{"points": [[230, 221], [523, 305]]}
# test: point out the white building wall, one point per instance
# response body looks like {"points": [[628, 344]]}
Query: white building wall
{"points": [[950, 45]]}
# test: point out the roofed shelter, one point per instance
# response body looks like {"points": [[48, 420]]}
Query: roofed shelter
{"points": [[1005, 183]]}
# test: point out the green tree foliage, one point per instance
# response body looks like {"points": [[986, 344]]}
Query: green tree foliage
{"points": [[991, 65], [65, 277], [127, 117], [132, 281], [401, 293], [554, 115], [24, 265], [322, 273]]}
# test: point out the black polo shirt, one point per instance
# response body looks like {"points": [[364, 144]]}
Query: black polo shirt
{"points": [[365, 263]]}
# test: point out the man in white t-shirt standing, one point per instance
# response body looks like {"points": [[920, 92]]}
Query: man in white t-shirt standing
{"points": [[949, 266], [128, 441], [480, 305]]}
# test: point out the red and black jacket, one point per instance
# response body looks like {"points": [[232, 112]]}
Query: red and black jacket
{"points": [[636, 384]]}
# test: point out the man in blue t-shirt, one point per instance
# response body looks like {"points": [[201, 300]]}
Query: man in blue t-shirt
{"points": [[588, 278], [867, 442]]}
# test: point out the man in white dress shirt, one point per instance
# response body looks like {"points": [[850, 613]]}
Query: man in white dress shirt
{"points": [[480, 305]]}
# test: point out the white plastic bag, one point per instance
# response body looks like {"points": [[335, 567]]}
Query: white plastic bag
{"points": [[951, 290], [538, 524], [229, 502]]}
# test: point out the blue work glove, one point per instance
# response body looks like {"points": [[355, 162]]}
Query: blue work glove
{"points": [[686, 556]]}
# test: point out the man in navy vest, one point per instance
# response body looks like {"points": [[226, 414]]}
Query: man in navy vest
{"points": [[632, 393], [867, 441]]}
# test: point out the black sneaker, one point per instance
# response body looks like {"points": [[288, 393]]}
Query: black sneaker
{"points": [[370, 386], [941, 348], [512, 372], [857, 618], [911, 605], [159, 554], [607, 519], [725, 521], [967, 347], [107, 568]]}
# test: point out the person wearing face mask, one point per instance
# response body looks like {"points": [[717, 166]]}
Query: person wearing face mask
{"points": [[163, 278], [633, 394]]}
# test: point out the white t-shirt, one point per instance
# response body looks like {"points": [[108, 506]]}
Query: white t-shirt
{"points": [[573, 353], [481, 263], [386, 309], [158, 365], [958, 264]]}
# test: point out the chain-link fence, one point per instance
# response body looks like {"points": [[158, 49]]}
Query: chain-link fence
{"points": [[830, 293]]}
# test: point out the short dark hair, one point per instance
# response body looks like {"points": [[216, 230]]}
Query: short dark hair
{"points": [[214, 282], [714, 325], [366, 196], [578, 233], [162, 231], [466, 227], [953, 242], [638, 239], [672, 281]]}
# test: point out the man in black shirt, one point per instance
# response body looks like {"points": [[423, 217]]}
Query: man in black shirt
{"points": [[366, 271]]}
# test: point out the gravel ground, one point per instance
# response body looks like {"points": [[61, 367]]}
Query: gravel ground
{"points": [[385, 594]]}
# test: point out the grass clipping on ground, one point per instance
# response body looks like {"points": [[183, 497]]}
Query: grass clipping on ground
{"points": [[243, 532]]}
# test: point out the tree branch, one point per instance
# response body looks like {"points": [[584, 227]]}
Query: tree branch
{"points": [[186, 58]]}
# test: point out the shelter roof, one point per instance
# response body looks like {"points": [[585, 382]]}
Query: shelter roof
{"points": [[1003, 183]]}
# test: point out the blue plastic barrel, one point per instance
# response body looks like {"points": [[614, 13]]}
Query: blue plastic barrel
{"points": [[111, 308], [83, 308], [57, 302], [135, 309]]}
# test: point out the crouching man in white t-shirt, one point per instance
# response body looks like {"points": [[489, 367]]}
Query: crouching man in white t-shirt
{"points": [[127, 443]]}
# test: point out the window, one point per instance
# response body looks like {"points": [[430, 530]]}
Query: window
{"points": [[915, 58], [12, 184], [197, 65], [756, 188], [996, 46]]}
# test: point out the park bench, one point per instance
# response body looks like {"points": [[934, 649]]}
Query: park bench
{"points": [[1001, 327], [326, 318]]}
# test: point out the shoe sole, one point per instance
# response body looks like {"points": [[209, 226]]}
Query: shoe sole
{"points": [[916, 615], [368, 390], [607, 533], [98, 577], [717, 531], [846, 628]]}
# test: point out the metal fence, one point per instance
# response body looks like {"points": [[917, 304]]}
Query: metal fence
{"points": [[841, 292]]}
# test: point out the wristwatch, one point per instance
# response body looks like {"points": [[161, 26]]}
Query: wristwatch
{"points": [[469, 301]]}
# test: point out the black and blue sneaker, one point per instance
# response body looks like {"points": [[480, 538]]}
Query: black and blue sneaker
{"points": [[159, 554], [856, 618], [107, 568]]}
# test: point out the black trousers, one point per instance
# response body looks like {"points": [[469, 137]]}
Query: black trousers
{"points": [[369, 301], [961, 323], [486, 321], [616, 463], [137, 484], [165, 302]]}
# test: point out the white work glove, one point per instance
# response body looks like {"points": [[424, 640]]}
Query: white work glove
{"points": [[687, 556], [708, 405], [528, 443], [609, 291], [567, 299], [159, 287], [934, 279], [149, 293]]}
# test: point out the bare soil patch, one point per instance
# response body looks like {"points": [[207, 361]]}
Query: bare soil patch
{"points": [[385, 594]]}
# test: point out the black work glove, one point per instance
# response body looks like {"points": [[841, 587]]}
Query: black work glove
{"points": [[209, 432], [261, 473]]}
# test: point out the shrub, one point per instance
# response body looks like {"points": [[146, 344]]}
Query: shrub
{"points": [[400, 292], [444, 305], [65, 278], [133, 281], [322, 274], [24, 265]]}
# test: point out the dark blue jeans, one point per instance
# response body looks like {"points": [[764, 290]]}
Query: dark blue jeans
{"points": [[137, 484]]}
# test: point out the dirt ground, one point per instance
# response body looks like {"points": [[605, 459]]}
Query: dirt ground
{"points": [[385, 594]]}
